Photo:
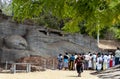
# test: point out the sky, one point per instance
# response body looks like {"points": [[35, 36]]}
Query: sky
{"points": [[7, 1]]}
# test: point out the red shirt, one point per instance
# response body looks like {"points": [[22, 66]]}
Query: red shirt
{"points": [[78, 61]]}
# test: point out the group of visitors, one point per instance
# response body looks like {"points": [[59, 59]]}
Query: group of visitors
{"points": [[66, 61], [73, 62], [92, 61]]}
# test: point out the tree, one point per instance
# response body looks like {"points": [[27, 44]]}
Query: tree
{"points": [[95, 13]]}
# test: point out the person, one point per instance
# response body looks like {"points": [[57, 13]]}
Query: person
{"points": [[108, 60], [75, 59], [94, 57], [75, 56], [60, 61], [66, 58], [87, 57], [90, 62], [111, 61], [117, 56], [105, 61], [99, 62], [79, 62], [71, 62]]}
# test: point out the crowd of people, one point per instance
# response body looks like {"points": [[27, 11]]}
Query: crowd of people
{"points": [[93, 61]]}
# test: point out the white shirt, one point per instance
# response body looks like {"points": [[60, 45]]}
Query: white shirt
{"points": [[75, 56], [105, 58], [94, 57]]}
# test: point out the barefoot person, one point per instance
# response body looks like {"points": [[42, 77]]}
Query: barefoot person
{"points": [[79, 62]]}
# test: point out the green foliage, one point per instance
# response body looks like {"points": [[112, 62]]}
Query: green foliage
{"points": [[97, 14], [118, 34], [116, 31], [26, 9], [71, 26], [51, 21]]}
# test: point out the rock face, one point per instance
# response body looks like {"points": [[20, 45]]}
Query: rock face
{"points": [[16, 42], [55, 44], [11, 55], [19, 40]]}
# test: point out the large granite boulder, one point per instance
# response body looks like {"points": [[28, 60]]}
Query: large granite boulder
{"points": [[54, 44], [88, 43], [16, 42]]}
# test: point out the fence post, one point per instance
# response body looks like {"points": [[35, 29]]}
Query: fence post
{"points": [[53, 68], [14, 68], [27, 67], [6, 65], [44, 63]]}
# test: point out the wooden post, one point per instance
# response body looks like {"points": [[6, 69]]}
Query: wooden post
{"points": [[53, 65]]}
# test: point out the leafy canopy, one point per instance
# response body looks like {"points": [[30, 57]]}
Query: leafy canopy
{"points": [[97, 14]]}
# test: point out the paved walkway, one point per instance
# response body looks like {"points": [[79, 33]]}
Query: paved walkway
{"points": [[49, 74]]}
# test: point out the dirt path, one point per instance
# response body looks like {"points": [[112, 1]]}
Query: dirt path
{"points": [[49, 74]]}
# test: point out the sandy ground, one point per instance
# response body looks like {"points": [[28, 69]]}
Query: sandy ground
{"points": [[49, 74]]}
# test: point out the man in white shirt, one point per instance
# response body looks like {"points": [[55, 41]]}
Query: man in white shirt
{"points": [[75, 59]]}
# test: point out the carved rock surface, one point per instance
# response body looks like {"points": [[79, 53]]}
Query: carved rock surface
{"points": [[16, 42], [10, 55], [54, 44], [8, 28], [21, 40]]}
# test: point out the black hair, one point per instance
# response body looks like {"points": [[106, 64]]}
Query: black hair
{"points": [[66, 53], [60, 54]]}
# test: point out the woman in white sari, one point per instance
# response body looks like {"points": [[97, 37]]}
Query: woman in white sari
{"points": [[99, 62], [90, 62], [105, 62]]}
